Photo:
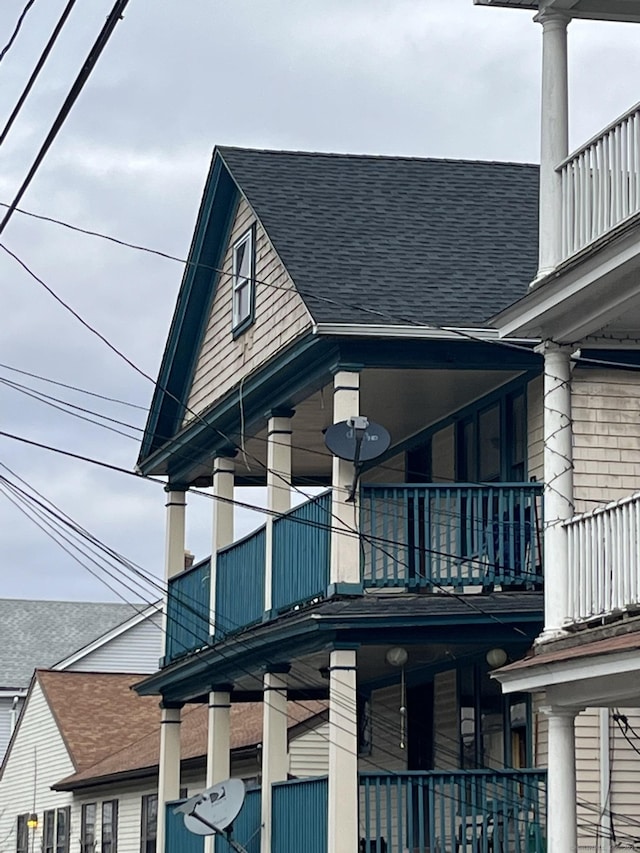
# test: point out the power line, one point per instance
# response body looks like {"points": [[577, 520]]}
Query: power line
{"points": [[16, 30], [36, 71], [94, 54]]}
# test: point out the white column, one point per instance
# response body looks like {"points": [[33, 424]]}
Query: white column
{"points": [[554, 135], [345, 546], [561, 781], [218, 743], [343, 753], [223, 484], [278, 487], [558, 484], [169, 768], [275, 759]]}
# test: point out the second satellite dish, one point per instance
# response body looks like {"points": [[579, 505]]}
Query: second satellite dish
{"points": [[342, 439], [215, 809]]}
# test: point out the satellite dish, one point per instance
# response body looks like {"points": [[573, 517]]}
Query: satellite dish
{"points": [[357, 439], [214, 810]]}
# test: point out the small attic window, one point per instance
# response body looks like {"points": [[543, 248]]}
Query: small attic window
{"points": [[243, 280]]}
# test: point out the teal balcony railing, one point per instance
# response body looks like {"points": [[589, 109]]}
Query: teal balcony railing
{"points": [[434, 535], [240, 584], [188, 611], [301, 547], [475, 810], [245, 829], [299, 816]]}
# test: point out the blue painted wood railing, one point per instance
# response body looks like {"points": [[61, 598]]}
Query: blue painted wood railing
{"points": [[301, 548], [188, 611], [178, 837], [245, 829], [240, 584], [479, 810], [461, 534], [299, 816]]}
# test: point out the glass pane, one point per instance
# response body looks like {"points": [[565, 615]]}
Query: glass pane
{"points": [[243, 259], [242, 302], [489, 441], [517, 438]]}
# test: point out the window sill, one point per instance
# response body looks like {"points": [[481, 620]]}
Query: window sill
{"points": [[242, 326]]}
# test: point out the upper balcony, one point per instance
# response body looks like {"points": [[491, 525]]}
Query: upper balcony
{"points": [[417, 538]]}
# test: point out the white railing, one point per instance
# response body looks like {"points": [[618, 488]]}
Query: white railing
{"points": [[601, 183], [604, 560]]}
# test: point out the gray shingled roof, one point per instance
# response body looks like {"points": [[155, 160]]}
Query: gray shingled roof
{"points": [[41, 633], [442, 242]]}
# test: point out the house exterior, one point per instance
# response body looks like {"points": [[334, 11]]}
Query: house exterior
{"points": [[583, 306], [84, 761], [60, 633]]}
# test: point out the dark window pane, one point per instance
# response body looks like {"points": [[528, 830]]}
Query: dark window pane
{"points": [[489, 444]]}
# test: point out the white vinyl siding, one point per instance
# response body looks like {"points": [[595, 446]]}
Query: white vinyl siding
{"points": [[309, 752], [280, 316], [386, 752], [137, 649], [535, 438]]}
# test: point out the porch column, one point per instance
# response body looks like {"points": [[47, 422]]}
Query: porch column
{"points": [[174, 541], [218, 742], [223, 483], [345, 544], [561, 781], [275, 759], [343, 753], [169, 768], [278, 486], [554, 138], [558, 484]]}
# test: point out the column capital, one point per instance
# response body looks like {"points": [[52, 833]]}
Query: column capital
{"points": [[227, 453], [550, 347], [177, 488], [223, 687], [552, 19], [166, 705], [346, 367], [280, 412], [560, 711], [277, 669]]}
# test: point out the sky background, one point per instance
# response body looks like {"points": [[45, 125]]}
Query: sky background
{"points": [[432, 78]]}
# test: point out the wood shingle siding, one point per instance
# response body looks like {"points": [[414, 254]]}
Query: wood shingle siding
{"points": [[280, 316]]}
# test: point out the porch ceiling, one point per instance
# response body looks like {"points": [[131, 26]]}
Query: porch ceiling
{"points": [[604, 10], [404, 401]]}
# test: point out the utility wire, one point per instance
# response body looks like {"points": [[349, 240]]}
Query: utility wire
{"points": [[36, 71], [94, 54], [16, 30]]}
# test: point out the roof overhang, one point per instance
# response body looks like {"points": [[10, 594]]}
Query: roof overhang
{"points": [[597, 10], [593, 292]]}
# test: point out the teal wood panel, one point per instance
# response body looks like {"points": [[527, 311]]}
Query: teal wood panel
{"points": [[299, 816], [187, 611], [246, 827], [301, 549], [178, 838], [240, 571], [455, 535]]}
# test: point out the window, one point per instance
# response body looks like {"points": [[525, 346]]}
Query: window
{"points": [[22, 834], [62, 829], [109, 843], [243, 280], [48, 831], [88, 828], [149, 822]]}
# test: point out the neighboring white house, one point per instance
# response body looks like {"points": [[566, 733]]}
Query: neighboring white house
{"points": [[85, 754], [61, 634]]}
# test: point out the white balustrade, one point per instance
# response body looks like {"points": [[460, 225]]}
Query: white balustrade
{"points": [[601, 183], [604, 560]]}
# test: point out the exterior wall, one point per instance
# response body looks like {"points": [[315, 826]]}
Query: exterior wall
{"points": [[535, 437], [446, 721], [309, 753], [280, 316], [129, 799], [443, 459], [606, 435], [135, 650], [588, 773], [37, 760], [384, 709], [625, 776], [6, 703]]}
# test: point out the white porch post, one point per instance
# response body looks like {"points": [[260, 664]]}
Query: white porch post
{"points": [[345, 546], [558, 484], [275, 760], [343, 753], [169, 769], [169, 762], [278, 486], [554, 138], [223, 484], [561, 781], [218, 742]]}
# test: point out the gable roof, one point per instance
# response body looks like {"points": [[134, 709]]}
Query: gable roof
{"points": [[438, 242], [41, 633]]}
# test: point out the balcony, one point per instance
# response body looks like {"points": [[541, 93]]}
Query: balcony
{"points": [[420, 812], [601, 184], [604, 561], [415, 538]]}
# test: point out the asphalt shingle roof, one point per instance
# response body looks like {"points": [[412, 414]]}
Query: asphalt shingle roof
{"points": [[441, 242], [41, 633]]}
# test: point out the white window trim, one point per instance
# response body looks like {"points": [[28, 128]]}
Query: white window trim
{"points": [[237, 283]]}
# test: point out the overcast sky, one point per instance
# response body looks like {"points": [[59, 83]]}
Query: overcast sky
{"points": [[436, 78]]}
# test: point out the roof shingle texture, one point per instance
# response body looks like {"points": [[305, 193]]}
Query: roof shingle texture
{"points": [[41, 633], [396, 240]]}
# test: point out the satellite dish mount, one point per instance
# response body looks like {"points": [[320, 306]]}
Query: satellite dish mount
{"points": [[357, 440]]}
